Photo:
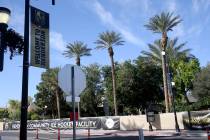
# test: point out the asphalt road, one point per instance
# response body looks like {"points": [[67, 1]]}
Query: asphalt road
{"points": [[53, 136]]}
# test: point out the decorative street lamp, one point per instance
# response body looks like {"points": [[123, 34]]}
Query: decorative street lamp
{"points": [[4, 19], [173, 96]]}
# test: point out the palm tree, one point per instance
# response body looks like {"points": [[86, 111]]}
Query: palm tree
{"points": [[77, 49], [107, 40], [162, 24], [175, 52]]}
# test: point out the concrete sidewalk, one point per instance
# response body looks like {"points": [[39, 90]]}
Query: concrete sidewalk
{"points": [[84, 132]]}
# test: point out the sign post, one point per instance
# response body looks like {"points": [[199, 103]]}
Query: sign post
{"points": [[72, 80], [73, 101]]}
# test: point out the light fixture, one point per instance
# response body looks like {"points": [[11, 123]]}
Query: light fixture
{"points": [[4, 15], [173, 83]]}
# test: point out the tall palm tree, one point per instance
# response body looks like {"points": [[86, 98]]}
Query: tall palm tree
{"points": [[175, 53], [77, 49], [107, 40], [162, 24]]}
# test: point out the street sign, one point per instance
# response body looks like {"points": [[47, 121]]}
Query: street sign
{"points": [[69, 99], [80, 80], [65, 82], [72, 81], [39, 38]]}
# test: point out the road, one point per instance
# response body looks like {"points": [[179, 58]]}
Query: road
{"points": [[53, 136]]}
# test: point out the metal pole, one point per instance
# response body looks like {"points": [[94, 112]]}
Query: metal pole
{"points": [[141, 134], [24, 100], [3, 29], [73, 102], [176, 122]]}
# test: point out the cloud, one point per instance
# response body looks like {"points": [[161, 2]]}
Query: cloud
{"points": [[108, 19], [56, 41], [200, 5], [172, 6], [179, 30], [17, 22]]}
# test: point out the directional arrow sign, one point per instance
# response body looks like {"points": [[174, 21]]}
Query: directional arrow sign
{"points": [[65, 81]]}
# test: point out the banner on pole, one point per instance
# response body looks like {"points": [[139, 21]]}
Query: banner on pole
{"points": [[39, 38]]}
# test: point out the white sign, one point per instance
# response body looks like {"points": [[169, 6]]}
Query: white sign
{"points": [[65, 80], [69, 99]]}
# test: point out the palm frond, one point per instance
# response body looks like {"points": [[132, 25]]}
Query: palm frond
{"points": [[163, 22], [108, 39], [173, 51], [77, 49]]}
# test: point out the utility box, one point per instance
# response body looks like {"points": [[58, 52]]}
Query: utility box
{"points": [[150, 116]]}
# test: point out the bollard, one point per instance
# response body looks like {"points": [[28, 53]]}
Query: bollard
{"points": [[88, 133], [58, 133], [141, 134], [37, 134]]}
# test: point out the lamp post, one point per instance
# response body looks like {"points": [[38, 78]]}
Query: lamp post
{"points": [[24, 97], [4, 19], [175, 117]]}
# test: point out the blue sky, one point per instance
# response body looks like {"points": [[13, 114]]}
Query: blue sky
{"points": [[83, 20]]}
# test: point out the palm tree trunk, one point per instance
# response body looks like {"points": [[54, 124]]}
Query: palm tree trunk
{"points": [[111, 54], [58, 104], [78, 61], [165, 85]]}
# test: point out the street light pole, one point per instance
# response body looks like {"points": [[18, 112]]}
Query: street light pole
{"points": [[24, 99], [4, 19], [3, 29]]}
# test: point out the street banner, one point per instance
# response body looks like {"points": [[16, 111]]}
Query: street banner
{"points": [[111, 123], [39, 38]]}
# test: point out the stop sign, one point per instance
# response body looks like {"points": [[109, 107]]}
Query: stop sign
{"points": [[65, 79]]}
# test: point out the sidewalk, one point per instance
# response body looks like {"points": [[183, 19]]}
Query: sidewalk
{"points": [[84, 132]]}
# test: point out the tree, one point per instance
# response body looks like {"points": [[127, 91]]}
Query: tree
{"points": [[201, 85], [185, 75], [49, 91], [3, 113], [14, 109], [138, 84], [108, 40], [162, 24], [174, 51], [90, 98], [77, 49]]}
